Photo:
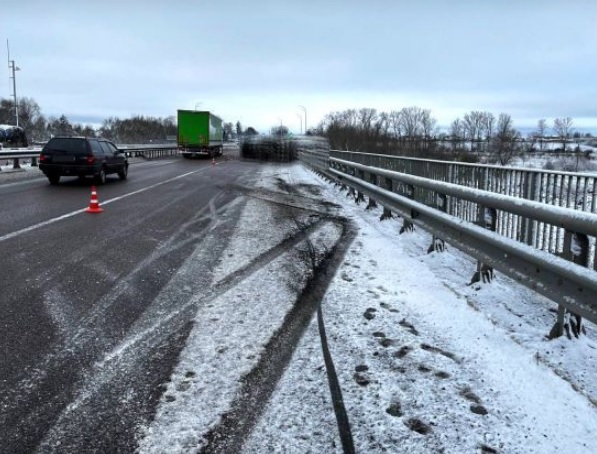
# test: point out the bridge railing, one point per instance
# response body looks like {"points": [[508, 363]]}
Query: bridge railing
{"points": [[538, 227], [143, 151]]}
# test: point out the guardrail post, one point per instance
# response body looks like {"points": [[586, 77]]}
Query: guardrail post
{"points": [[351, 172], [437, 244], [360, 174], [487, 218], [372, 203], [407, 224], [15, 163], [33, 162], [576, 249], [387, 213]]}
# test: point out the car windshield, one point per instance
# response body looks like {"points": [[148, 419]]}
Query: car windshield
{"points": [[67, 145]]}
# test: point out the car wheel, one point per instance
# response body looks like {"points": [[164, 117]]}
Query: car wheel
{"points": [[54, 179], [101, 176], [122, 174]]}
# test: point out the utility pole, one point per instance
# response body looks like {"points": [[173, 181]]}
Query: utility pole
{"points": [[280, 131], [13, 68], [304, 108], [300, 117]]}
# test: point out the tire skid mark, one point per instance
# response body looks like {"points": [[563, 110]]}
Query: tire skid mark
{"points": [[90, 330], [289, 199], [259, 384], [219, 288], [145, 332], [156, 330], [103, 371]]}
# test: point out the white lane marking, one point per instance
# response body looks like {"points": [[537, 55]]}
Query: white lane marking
{"points": [[34, 178], [29, 180], [82, 210]]}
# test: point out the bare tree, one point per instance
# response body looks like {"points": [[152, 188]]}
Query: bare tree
{"points": [[458, 134], [382, 128], [562, 126], [428, 128], [540, 133], [367, 117], [488, 123], [474, 126], [412, 125], [228, 128], [505, 141], [341, 129], [396, 126]]}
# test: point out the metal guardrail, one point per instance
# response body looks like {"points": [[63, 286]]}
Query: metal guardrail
{"points": [[17, 154], [142, 151], [564, 189], [149, 152], [537, 227]]}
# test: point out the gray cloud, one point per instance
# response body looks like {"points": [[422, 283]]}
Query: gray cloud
{"points": [[258, 60]]}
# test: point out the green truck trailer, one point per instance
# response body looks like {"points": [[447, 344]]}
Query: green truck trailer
{"points": [[200, 133]]}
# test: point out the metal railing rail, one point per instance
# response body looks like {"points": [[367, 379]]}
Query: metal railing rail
{"points": [[471, 217], [565, 189], [148, 152]]}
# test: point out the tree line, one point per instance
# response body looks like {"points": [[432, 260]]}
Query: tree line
{"points": [[136, 129], [413, 131]]}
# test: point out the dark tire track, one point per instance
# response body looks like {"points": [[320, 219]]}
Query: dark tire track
{"points": [[258, 385], [148, 344], [46, 390]]}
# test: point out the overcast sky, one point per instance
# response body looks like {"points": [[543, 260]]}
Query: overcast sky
{"points": [[257, 61]]}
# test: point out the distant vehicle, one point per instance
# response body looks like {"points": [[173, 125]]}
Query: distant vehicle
{"points": [[13, 136], [82, 157], [200, 133]]}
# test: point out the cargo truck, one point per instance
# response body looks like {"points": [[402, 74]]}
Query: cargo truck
{"points": [[200, 133]]}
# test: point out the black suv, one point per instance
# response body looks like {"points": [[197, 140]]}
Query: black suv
{"points": [[82, 156]]}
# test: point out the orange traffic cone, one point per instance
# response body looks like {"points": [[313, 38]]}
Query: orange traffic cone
{"points": [[94, 204]]}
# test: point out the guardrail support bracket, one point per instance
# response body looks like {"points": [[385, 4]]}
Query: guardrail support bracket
{"points": [[437, 245], [387, 214], [576, 249]]}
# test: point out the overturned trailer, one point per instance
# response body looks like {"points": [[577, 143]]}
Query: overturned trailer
{"points": [[13, 136]]}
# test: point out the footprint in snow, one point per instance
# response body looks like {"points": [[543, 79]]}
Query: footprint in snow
{"points": [[403, 351], [370, 313], [416, 425], [445, 353]]}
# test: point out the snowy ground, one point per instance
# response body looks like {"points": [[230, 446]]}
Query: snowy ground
{"points": [[426, 363]]}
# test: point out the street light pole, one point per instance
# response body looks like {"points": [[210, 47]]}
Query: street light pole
{"points": [[301, 121], [13, 68], [14, 88], [280, 131], [305, 110]]}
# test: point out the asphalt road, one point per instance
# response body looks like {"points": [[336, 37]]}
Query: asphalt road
{"points": [[74, 285]]}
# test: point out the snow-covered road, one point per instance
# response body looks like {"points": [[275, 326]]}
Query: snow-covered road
{"points": [[426, 363]]}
